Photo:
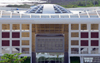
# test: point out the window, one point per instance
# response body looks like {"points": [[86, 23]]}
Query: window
{"points": [[84, 42], [15, 42], [83, 26], [5, 43], [15, 50], [84, 34], [94, 50], [74, 34], [25, 34], [56, 10], [5, 26], [74, 42], [94, 26], [5, 35], [25, 42], [16, 27], [84, 50], [94, 35], [74, 50], [5, 50], [15, 35], [94, 43], [74, 26], [25, 50], [25, 26], [51, 44]]}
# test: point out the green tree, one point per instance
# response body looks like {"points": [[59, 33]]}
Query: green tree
{"points": [[12, 58]]}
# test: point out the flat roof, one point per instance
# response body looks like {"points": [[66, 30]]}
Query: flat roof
{"points": [[86, 14], [89, 12]]}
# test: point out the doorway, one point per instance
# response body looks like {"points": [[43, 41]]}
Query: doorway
{"points": [[49, 58]]}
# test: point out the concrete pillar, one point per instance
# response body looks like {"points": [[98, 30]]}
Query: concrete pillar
{"points": [[33, 57], [66, 57], [81, 60]]}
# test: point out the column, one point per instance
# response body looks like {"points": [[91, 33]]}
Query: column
{"points": [[10, 38], [81, 59], [89, 35], [69, 42], [33, 53], [0, 38], [66, 57], [79, 37], [30, 31], [99, 37], [20, 38]]}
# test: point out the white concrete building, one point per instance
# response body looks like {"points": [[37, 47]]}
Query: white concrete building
{"points": [[53, 33]]}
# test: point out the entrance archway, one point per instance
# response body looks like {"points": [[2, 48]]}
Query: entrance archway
{"points": [[49, 58]]}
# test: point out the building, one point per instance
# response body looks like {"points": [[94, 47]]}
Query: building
{"points": [[51, 33]]}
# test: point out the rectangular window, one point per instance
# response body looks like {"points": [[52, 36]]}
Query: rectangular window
{"points": [[5, 35], [74, 34], [15, 42], [74, 50], [15, 34], [94, 26], [5, 43], [94, 35], [5, 26], [94, 50], [84, 34], [25, 34], [25, 50], [5, 50], [94, 43], [15, 50], [25, 26], [74, 26], [84, 42], [74, 42], [83, 26], [25, 42], [16, 27], [84, 50]]}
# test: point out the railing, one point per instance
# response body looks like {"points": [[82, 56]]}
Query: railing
{"points": [[87, 14]]}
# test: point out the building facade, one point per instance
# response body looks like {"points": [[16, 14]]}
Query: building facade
{"points": [[54, 37]]}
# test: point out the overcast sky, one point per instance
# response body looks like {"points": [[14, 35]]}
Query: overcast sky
{"points": [[17, 0]]}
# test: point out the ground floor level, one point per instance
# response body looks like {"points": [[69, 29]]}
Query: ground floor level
{"points": [[65, 58], [59, 58], [85, 59]]}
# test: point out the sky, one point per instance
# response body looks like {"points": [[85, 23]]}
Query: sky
{"points": [[18, 0]]}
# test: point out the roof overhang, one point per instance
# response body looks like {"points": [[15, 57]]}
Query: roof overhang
{"points": [[49, 20]]}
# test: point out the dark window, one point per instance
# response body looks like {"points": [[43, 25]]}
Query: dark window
{"points": [[15, 35], [15, 43], [94, 43], [94, 34], [5, 42], [84, 42], [5, 34], [84, 34]]}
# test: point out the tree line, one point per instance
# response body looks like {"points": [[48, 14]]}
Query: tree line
{"points": [[75, 3]]}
